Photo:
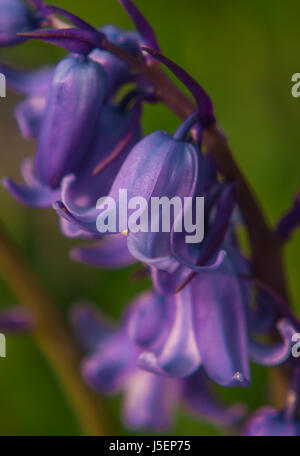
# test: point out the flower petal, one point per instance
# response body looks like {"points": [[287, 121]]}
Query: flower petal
{"points": [[35, 196], [166, 283], [270, 422], [71, 114], [15, 17], [272, 355], [110, 367], [90, 326], [34, 82], [109, 253], [72, 231], [29, 115], [177, 354], [80, 193], [157, 166], [199, 400], [150, 402], [220, 325], [147, 318]]}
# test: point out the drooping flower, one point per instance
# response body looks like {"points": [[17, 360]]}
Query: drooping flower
{"points": [[159, 166], [68, 125], [150, 400], [87, 40], [118, 130], [16, 17], [114, 248], [267, 421], [67, 129], [206, 324], [36, 84]]}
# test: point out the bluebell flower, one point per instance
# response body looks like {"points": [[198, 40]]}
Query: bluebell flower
{"points": [[268, 421], [112, 251], [67, 129], [117, 71], [35, 85], [150, 400], [158, 166], [16, 17], [206, 325], [68, 125], [87, 40], [118, 130]]}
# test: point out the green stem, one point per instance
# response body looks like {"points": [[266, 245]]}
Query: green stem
{"points": [[52, 336]]}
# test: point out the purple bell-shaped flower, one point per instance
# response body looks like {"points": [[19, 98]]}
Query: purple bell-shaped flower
{"points": [[67, 129], [150, 400], [16, 17]]}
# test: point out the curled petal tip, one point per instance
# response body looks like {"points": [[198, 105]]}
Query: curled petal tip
{"points": [[239, 377]]}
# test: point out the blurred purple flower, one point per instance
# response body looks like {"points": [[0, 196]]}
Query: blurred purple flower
{"points": [[150, 400], [111, 252], [15, 319], [206, 324], [16, 17], [268, 421], [35, 84]]}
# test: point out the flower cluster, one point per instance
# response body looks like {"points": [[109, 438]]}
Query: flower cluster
{"points": [[201, 322]]}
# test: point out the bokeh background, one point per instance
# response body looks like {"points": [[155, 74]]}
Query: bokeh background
{"points": [[244, 53]]}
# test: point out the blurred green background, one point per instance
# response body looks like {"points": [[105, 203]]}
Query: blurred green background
{"points": [[244, 53]]}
